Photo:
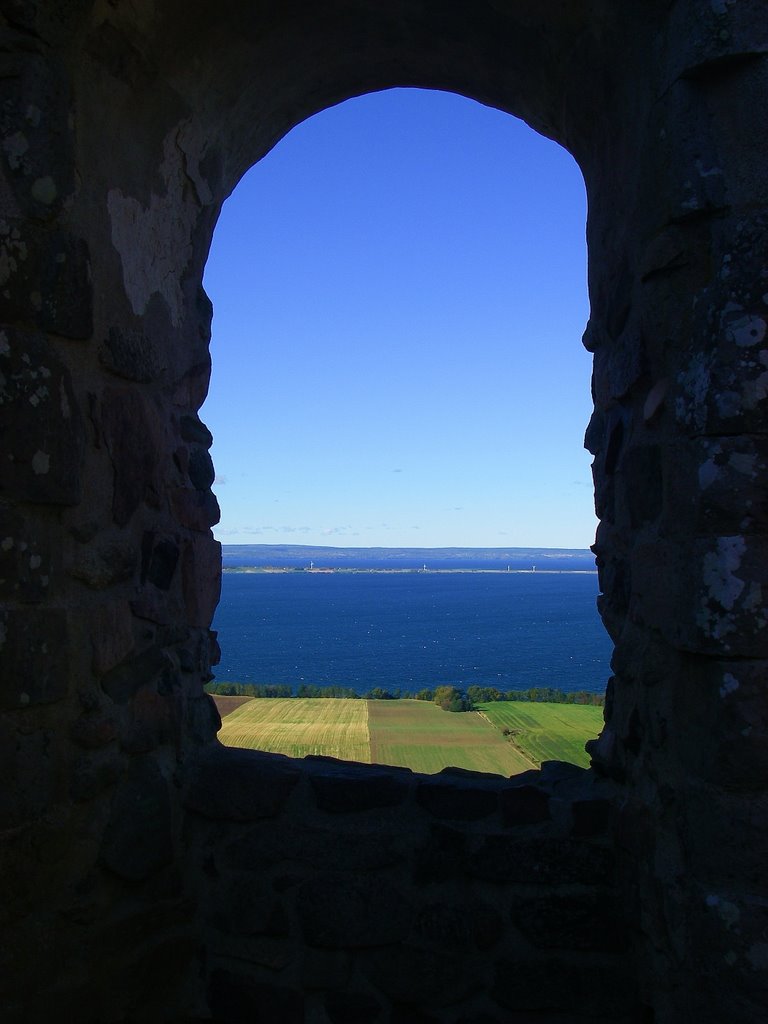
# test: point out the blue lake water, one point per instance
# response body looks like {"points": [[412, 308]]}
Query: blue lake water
{"points": [[413, 630]]}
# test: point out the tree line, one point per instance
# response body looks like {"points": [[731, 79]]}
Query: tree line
{"points": [[450, 698]]}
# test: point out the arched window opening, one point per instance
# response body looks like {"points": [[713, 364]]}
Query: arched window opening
{"points": [[399, 290]]}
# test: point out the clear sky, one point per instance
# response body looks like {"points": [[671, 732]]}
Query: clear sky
{"points": [[399, 293]]}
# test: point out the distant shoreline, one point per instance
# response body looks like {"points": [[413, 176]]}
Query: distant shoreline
{"points": [[324, 571]]}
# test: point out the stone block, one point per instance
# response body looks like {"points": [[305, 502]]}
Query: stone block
{"points": [[321, 849], [159, 558], [31, 771], [341, 789], [102, 564], [150, 720], [35, 122], [147, 667], [352, 911], [524, 805], [27, 566], [111, 635], [193, 429], [562, 985], [133, 439], [459, 926], [587, 921], [40, 421], [197, 510], [46, 280], [93, 730], [35, 657], [130, 354], [420, 978], [200, 469], [591, 817], [441, 857], [458, 800], [248, 906], [228, 784], [201, 580]]}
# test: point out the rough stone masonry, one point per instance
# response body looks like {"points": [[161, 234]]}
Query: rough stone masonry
{"points": [[149, 875]]}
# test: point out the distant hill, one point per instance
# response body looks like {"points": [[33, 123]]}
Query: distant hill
{"points": [[303, 555]]}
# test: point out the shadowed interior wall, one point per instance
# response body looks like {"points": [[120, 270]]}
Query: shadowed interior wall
{"points": [[125, 126]]}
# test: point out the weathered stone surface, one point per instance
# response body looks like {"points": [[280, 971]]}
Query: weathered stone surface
{"points": [[236, 998], [159, 558], [462, 926], [28, 570], [567, 921], [147, 667], [35, 657], [240, 785], [546, 860], [352, 911], [248, 906], [39, 421], [561, 985], [50, 271], [351, 1007], [524, 805], [193, 429], [461, 802], [138, 840], [321, 849], [201, 580], [105, 563], [419, 977], [591, 817], [198, 510], [132, 438], [112, 638], [129, 354], [442, 856], [200, 469]]}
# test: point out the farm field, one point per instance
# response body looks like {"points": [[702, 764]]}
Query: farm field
{"points": [[419, 735], [300, 726], [547, 732], [413, 734]]}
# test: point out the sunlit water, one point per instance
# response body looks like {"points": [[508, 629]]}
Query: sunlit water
{"points": [[510, 630]]}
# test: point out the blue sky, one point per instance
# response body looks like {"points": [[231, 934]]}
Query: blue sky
{"points": [[399, 294]]}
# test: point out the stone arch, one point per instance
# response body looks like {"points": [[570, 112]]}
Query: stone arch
{"points": [[126, 125]]}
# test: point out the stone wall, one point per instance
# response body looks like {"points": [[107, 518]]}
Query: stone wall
{"points": [[341, 892], [125, 125]]}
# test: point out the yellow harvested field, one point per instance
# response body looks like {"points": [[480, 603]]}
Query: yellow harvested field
{"points": [[300, 726]]}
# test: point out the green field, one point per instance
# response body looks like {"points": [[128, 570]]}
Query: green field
{"points": [[547, 732], [411, 733], [419, 735]]}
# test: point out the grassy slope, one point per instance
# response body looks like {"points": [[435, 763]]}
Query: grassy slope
{"points": [[300, 726], [548, 732], [417, 734]]}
